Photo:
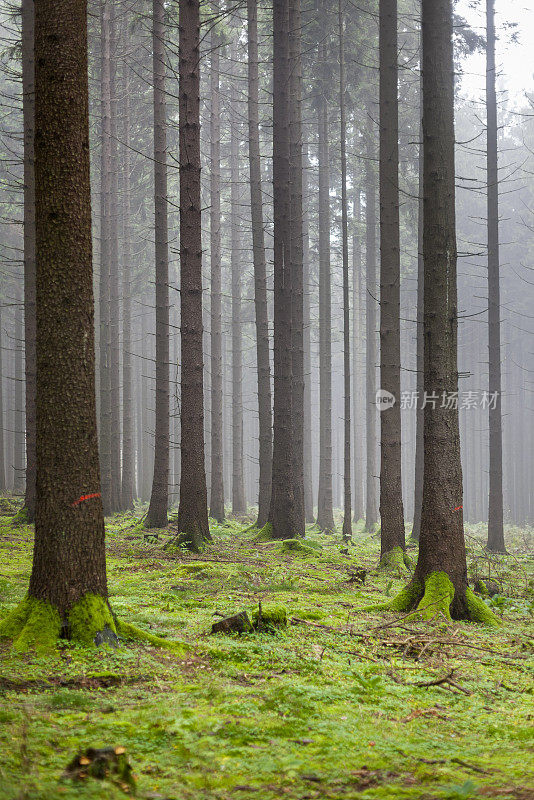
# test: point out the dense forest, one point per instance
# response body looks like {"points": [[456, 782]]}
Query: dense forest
{"points": [[266, 420]]}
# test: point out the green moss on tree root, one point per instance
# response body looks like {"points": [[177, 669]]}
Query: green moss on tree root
{"points": [[36, 625], [32, 625], [265, 534], [298, 546], [481, 588], [88, 616], [395, 561], [437, 599], [479, 611]]}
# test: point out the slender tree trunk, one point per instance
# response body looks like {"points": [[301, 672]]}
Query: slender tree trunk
{"points": [[159, 500], [442, 547], [495, 505], [239, 506], [420, 361], [128, 470], [217, 462], [18, 450], [28, 105], [325, 514], [193, 511], [284, 515], [357, 405], [308, 473], [105, 249], [347, 505], [114, 315], [371, 511], [296, 252], [260, 274], [391, 507], [69, 558]]}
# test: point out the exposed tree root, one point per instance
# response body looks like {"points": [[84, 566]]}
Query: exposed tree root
{"points": [[435, 601], [36, 625]]}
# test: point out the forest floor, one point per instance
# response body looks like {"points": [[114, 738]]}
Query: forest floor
{"points": [[336, 705]]}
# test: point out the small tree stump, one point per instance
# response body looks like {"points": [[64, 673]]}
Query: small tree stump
{"points": [[239, 623]]}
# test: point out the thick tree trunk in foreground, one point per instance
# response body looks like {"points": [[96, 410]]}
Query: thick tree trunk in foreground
{"points": [[371, 506], [69, 558], [193, 510], [325, 514], [284, 513], [391, 508], [3, 485], [495, 505], [217, 464], [260, 276], [28, 105], [159, 499], [347, 508]]}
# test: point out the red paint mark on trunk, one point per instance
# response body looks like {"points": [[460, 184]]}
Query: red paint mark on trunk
{"points": [[85, 497]]}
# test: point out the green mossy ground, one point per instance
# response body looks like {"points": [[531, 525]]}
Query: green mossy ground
{"points": [[325, 708]]}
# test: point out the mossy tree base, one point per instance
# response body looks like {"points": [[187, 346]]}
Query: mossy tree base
{"points": [[36, 625], [395, 561], [434, 600]]}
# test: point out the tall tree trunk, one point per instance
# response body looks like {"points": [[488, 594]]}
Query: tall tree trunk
{"points": [[239, 506], [371, 510], [284, 515], [357, 309], [105, 249], [325, 514], [69, 558], [306, 324], [260, 274], [128, 470], [495, 505], [347, 506], [28, 105], [442, 547], [159, 499], [18, 450], [391, 507], [217, 460], [420, 361], [296, 253], [193, 510]]}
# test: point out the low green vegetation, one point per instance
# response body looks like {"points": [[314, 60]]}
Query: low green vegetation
{"points": [[323, 700]]}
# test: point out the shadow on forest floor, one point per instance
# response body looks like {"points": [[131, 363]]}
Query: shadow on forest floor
{"points": [[340, 704]]}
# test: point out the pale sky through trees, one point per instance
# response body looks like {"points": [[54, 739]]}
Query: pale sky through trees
{"points": [[515, 59]]}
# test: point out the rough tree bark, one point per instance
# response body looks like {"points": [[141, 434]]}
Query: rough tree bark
{"points": [[3, 485], [260, 276], [159, 499], [495, 505], [419, 413], [193, 509], [325, 514], [391, 507], [217, 463], [306, 324], [439, 585], [18, 449], [28, 106], [347, 509], [285, 521]]}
